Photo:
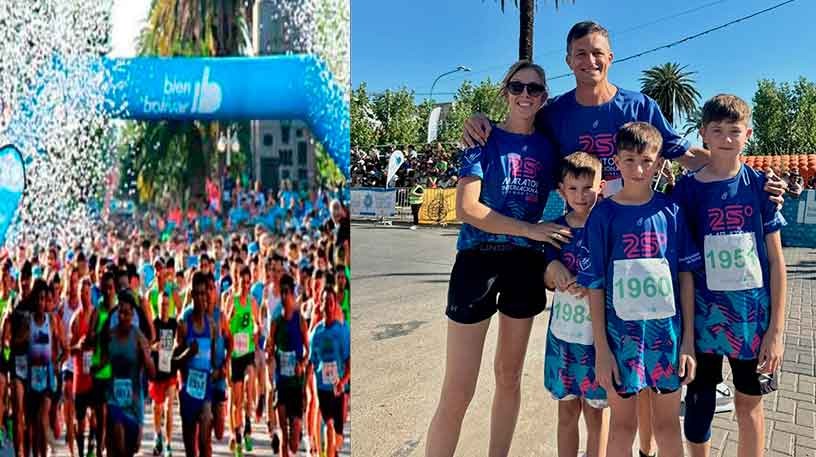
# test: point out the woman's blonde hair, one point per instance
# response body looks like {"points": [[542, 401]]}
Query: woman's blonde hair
{"points": [[523, 65]]}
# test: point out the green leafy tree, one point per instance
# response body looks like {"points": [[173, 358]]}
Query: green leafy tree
{"points": [[172, 157], [364, 123], [484, 98], [784, 117], [397, 114], [672, 88], [526, 25]]}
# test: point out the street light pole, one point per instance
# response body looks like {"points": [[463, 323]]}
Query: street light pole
{"points": [[457, 69]]}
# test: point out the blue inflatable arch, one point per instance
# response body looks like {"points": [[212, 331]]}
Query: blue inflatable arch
{"points": [[242, 88]]}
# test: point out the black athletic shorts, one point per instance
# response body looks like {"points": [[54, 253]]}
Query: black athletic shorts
{"points": [[100, 392], [291, 398], [239, 366], [744, 373], [82, 401], [331, 407], [496, 278]]}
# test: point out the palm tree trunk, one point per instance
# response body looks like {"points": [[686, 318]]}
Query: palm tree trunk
{"points": [[526, 16]]}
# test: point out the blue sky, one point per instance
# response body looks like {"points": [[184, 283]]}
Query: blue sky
{"points": [[409, 43]]}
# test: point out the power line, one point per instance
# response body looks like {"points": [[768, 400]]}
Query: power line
{"points": [[665, 46], [614, 33], [689, 38]]}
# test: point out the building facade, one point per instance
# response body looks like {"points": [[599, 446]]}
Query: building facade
{"points": [[281, 149]]}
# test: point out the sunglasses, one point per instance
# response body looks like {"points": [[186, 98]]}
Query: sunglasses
{"points": [[533, 89]]}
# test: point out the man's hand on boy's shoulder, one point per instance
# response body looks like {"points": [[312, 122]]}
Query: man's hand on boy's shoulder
{"points": [[776, 187]]}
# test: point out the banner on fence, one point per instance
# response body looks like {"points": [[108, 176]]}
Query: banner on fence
{"points": [[438, 206], [373, 202]]}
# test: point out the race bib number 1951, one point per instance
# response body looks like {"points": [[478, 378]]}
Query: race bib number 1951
{"points": [[731, 262], [642, 289], [570, 319]]}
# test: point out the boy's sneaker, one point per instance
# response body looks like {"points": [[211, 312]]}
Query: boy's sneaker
{"points": [[725, 399], [248, 443]]}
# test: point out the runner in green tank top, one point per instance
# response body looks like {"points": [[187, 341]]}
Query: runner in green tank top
{"points": [[162, 283], [244, 325]]}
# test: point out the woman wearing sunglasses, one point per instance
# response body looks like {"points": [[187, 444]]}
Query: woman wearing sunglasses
{"points": [[500, 196]]}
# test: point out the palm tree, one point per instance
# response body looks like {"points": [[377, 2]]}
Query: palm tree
{"points": [[526, 23], [693, 121], [672, 88], [173, 155]]}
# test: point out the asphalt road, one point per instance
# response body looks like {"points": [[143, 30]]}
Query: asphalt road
{"points": [[399, 281]]}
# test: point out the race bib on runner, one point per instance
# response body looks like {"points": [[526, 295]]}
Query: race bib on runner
{"points": [[731, 262], [330, 373], [642, 289], [38, 377], [570, 319], [242, 343], [21, 366], [122, 392], [288, 362], [87, 356], [165, 350], [196, 384]]}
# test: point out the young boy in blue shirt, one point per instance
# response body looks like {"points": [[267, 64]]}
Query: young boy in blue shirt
{"points": [[636, 262], [740, 294], [569, 357]]}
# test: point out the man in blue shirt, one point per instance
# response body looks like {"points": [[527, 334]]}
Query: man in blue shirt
{"points": [[331, 365]]}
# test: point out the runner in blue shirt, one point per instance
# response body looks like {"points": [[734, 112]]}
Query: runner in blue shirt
{"points": [[637, 260], [740, 294], [330, 357]]}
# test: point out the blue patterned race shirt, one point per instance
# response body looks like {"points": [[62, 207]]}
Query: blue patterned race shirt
{"points": [[517, 172], [569, 368], [730, 322], [647, 351]]}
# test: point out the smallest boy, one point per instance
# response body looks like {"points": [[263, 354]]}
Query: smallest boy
{"points": [[636, 262], [569, 357], [740, 295]]}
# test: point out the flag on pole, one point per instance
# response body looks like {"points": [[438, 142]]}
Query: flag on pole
{"points": [[433, 124], [12, 186], [394, 163]]}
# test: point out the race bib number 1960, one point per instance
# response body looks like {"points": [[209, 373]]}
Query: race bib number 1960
{"points": [[570, 319], [642, 289]]}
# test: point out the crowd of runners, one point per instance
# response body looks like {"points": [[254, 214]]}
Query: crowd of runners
{"points": [[250, 326]]}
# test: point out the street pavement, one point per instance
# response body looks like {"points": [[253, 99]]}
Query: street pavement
{"points": [[400, 280]]}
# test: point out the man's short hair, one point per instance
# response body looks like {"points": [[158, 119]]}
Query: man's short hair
{"points": [[583, 29], [638, 137], [580, 164], [726, 107]]}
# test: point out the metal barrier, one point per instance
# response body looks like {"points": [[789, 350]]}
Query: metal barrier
{"points": [[435, 208]]}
